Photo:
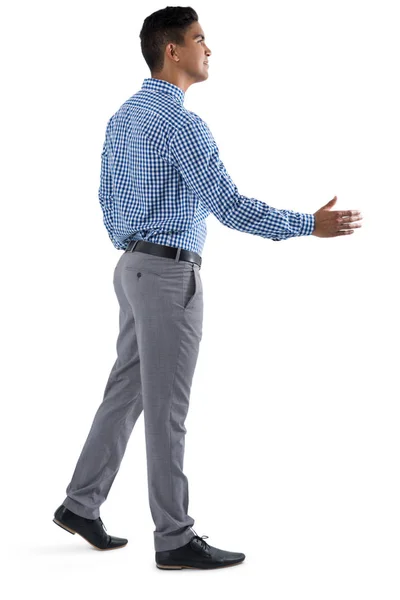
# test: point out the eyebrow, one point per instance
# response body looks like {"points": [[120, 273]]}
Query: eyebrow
{"points": [[199, 35]]}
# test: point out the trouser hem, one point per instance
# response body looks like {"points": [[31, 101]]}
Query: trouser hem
{"points": [[80, 510], [173, 543]]}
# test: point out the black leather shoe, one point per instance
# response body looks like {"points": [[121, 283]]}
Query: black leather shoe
{"points": [[197, 554], [92, 530]]}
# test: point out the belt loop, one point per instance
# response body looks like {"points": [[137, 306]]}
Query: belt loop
{"points": [[178, 254], [134, 246]]}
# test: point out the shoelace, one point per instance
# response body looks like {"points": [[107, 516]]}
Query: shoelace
{"points": [[204, 544]]}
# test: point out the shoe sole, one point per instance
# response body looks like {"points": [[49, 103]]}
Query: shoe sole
{"points": [[201, 568], [74, 532]]}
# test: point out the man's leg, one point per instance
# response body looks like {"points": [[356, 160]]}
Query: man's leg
{"points": [[167, 301], [114, 420]]}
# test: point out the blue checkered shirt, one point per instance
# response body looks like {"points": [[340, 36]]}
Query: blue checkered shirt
{"points": [[161, 176]]}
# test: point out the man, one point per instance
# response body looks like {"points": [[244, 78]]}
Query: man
{"points": [[161, 176]]}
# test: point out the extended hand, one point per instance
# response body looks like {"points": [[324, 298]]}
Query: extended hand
{"points": [[330, 223]]}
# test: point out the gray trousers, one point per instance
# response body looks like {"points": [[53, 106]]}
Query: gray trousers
{"points": [[160, 328]]}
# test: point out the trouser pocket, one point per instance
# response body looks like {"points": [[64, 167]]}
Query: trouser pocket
{"points": [[190, 287]]}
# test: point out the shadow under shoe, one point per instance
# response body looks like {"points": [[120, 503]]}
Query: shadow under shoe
{"points": [[92, 530], [197, 554]]}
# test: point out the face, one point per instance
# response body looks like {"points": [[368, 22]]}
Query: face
{"points": [[193, 55]]}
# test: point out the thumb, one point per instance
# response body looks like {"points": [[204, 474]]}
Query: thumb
{"points": [[331, 202]]}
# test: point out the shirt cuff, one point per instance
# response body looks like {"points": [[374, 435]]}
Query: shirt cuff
{"points": [[307, 224]]}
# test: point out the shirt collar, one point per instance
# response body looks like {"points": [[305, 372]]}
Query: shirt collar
{"points": [[165, 87]]}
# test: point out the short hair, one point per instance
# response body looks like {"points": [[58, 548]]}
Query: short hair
{"points": [[163, 27]]}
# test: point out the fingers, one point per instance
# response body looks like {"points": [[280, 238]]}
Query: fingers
{"points": [[349, 213], [349, 222], [349, 225], [346, 227], [349, 219]]}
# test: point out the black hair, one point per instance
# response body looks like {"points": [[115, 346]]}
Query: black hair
{"points": [[163, 27]]}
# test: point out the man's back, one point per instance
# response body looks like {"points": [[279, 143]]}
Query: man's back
{"points": [[142, 193]]}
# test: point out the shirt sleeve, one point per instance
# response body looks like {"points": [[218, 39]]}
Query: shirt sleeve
{"points": [[105, 192], [195, 154]]}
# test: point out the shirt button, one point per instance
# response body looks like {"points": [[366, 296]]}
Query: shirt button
{"points": [[139, 274]]}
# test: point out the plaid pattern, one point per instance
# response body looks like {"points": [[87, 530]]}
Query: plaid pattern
{"points": [[161, 176]]}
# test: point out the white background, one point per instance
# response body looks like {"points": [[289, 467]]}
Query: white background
{"points": [[292, 445]]}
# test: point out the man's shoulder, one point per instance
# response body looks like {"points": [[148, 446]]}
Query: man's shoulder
{"points": [[193, 119], [164, 110], [180, 123], [193, 125]]}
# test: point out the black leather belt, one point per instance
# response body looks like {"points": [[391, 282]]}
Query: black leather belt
{"points": [[167, 251]]}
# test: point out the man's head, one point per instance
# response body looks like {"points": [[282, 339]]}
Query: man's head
{"points": [[173, 46]]}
